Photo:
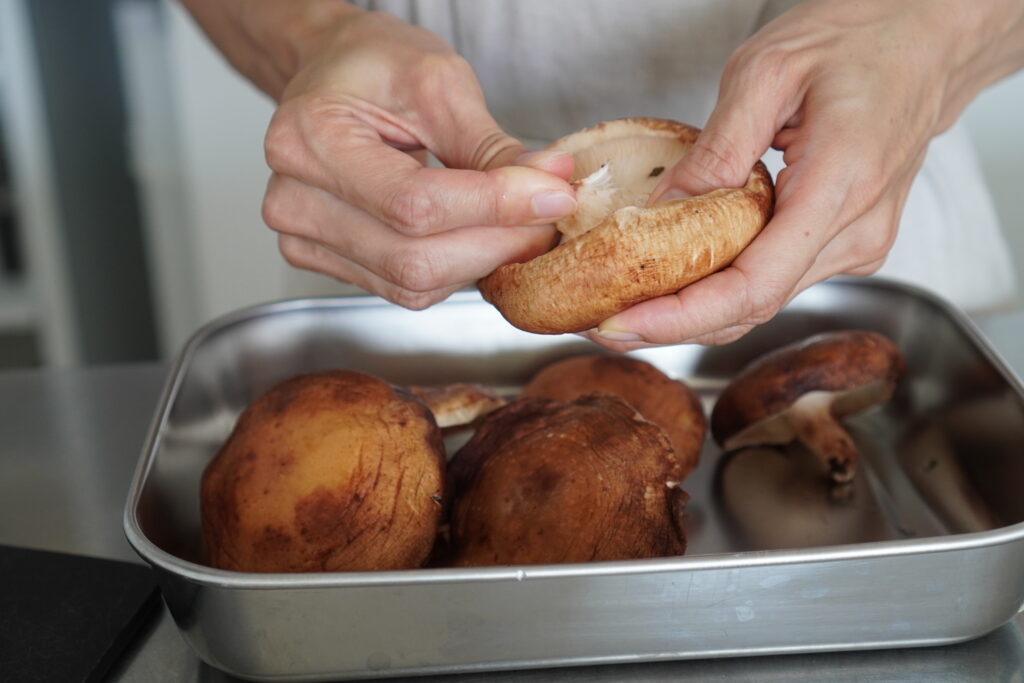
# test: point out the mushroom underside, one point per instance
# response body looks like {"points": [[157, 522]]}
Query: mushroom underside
{"points": [[813, 419]]}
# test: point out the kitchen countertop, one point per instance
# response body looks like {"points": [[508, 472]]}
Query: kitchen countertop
{"points": [[71, 439]]}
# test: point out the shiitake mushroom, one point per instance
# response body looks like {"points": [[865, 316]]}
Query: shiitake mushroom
{"points": [[666, 402], [617, 251], [776, 498], [546, 481], [800, 392], [330, 471]]}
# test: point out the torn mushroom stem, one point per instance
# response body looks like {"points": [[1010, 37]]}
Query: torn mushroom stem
{"points": [[817, 429], [810, 420]]}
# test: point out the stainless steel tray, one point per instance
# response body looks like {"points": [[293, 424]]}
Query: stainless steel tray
{"points": [[933, 559]]}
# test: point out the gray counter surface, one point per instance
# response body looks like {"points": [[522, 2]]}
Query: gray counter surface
{"points": [[70, 441]]}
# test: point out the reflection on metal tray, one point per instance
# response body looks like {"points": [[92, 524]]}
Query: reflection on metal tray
{"points": [[929, 549]]}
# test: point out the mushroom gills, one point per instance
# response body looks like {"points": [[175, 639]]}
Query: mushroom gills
{"points": [[615, 174], [811, 419], [774, 500]]}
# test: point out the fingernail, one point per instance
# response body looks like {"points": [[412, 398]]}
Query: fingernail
{"points": [[538, 158], [672, 193], [612, 335], [612, 332], [553, 204]]}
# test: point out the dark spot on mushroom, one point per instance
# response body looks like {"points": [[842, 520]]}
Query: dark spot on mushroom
{"points": [[656, 171], [274, 540], [277, 402], [320, 514]]}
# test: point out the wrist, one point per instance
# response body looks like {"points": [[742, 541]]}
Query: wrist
{"points": [[292, 32]]}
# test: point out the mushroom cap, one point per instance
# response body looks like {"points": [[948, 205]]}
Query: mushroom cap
{"points": [[849, 370], [545, 482], [616, 251], [331, 471], [774, 499], [668, 403]]}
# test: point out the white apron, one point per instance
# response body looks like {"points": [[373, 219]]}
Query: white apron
{"points": [[549, 67]]}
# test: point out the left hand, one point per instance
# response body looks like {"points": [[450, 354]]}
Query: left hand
{"points": [[852, 93]]}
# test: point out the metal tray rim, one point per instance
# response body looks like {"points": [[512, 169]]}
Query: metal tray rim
{"points": [[240, 580]]}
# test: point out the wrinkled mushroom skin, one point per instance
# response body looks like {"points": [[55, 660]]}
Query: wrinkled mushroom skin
{"points": [[332, 471], [670, 404], [636, 252], [801, 390], [548, 482]]}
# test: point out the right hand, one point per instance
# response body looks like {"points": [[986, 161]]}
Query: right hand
{"points": [[350, 196]]}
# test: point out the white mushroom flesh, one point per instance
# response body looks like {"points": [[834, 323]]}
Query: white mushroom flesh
{"points": [[615, 174], [781, 427]]}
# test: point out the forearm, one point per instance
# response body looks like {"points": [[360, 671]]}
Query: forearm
{"points": [[267, 40]]}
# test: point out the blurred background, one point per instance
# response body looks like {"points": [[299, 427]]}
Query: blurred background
{"points": [[131, 177]]}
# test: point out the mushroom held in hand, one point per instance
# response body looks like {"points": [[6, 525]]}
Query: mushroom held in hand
{"points": [[671, 405], [616, 251], [801, 390], [332, 471], [544, 481]]}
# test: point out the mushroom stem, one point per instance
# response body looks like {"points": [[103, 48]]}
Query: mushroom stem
{"points": [[812, 421]]}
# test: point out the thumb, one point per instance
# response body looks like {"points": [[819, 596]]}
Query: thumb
{"points": [[739, 130]]}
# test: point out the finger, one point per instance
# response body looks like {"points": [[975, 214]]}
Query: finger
{"points": [[552, 161], [423, 264], [760, 280], [862, 247], [304, 253], [751, 108], [340, 153]]}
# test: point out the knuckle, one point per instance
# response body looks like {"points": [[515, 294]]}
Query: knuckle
{"points": [[438, 73], [763, 307], [413, 210], [274, 210], [768, 66], [295, 251], [872, 246], [726, 336], [415, 301], [717, 159], [414, 269], [282, 142]]}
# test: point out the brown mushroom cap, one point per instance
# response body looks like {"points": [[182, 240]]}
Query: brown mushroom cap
{"points": [[332, 471], [670, 404], [455, 405], [798, 392], [545, 482], [616, 251]]}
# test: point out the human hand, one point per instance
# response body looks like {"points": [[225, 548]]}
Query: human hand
{"points": [[350, 196], [851, 93]]}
